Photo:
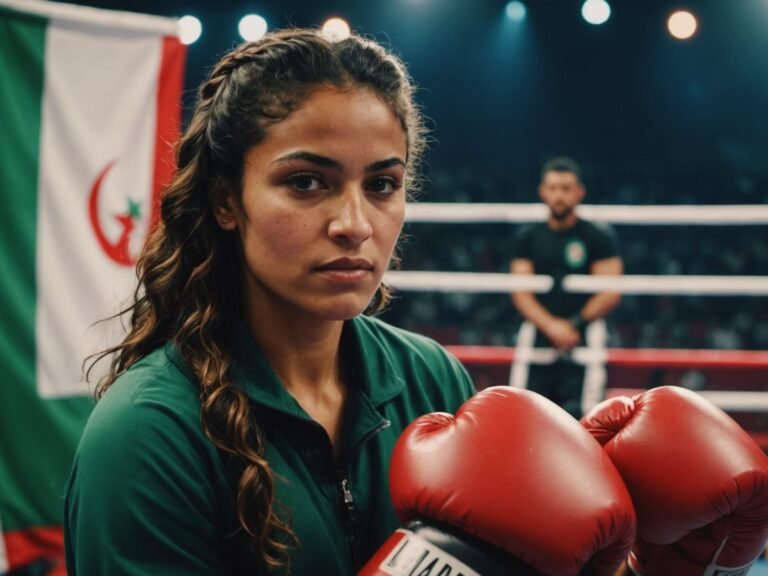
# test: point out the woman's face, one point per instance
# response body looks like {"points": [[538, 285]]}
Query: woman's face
{"points": [[322, 207]]}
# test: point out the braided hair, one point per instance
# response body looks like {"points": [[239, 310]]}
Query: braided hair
{"points": [[190, 267]]}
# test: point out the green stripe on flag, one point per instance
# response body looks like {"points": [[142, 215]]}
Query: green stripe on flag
{"points": [[22, 50], [37, 436], [22, 46]]}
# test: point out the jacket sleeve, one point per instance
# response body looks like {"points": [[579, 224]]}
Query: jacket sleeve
{"points": [[465, 386], [450, 381], [142, 497]]}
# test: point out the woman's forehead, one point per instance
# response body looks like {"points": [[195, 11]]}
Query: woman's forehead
{"points": [[334, 122]]}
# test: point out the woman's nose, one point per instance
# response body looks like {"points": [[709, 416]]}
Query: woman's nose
{"points": [[350, 220]]}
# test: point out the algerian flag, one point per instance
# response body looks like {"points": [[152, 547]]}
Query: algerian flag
{"points": [[89, 109]]}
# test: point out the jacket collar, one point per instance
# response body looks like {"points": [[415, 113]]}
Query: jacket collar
{"points": [[382, 378], [374, 371]]}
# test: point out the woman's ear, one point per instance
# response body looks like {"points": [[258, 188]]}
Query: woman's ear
{"points": [[224, 211]]}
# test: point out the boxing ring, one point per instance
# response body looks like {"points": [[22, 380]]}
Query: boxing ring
{"points": [[738, 379]]}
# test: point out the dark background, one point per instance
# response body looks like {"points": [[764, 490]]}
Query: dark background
{"points": [[635, 106]]}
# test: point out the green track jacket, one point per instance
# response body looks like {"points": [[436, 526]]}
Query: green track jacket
{"points": [[149, 493]]}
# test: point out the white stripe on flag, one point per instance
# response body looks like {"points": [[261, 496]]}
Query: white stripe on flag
{"points": [[116, 19], [99, 107]]}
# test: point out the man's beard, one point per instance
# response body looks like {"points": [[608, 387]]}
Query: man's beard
{"points": [[562, 214]]}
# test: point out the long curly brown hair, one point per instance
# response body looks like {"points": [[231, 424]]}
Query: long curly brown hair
{"points": [[189, 273]]}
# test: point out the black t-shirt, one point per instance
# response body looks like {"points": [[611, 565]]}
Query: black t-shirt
{"points": [[563, 252]]}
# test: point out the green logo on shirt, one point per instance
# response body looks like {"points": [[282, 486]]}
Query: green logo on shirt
{"points": [[575, 253]]}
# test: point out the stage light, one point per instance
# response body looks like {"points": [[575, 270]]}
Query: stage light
{"points": [[596, 11], [190, 29], [682, 24], [515, 11], [336, 28], [252, 27]]}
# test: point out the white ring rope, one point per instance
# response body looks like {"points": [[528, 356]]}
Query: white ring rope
{"points": [[466, 282], [711, 285], [730, 401], [628, 284], [711, 215]]}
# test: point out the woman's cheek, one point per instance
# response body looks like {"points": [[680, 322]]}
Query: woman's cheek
{"points": [[287, 234]]}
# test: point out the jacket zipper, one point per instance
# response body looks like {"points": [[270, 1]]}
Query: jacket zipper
{"points": [[350, 520], [348, 501]]}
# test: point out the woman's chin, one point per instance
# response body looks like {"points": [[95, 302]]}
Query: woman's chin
{"points": [[344, 310]]}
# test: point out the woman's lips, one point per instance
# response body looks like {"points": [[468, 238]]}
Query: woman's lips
{"points": [[348, 270]]}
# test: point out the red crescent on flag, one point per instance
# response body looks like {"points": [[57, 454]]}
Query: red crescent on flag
{"points": [[116, 251]]}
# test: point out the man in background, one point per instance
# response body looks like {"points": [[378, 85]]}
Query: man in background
{"points": [[562, 321]]}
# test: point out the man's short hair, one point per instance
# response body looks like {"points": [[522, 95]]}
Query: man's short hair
{"points": [[561, 164]]}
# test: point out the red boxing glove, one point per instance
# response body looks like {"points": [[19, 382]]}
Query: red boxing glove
{"points": [[514, 471], [698, 481]]}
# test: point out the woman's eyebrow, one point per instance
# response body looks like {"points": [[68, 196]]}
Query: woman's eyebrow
{"points": [[327, 162], [384, 164], [324, 161]]}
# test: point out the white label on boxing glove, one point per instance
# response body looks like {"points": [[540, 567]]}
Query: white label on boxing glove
{"points": [[414, 556]]}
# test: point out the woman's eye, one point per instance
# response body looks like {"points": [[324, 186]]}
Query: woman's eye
{"points": [[304, 182], [384, 186]]}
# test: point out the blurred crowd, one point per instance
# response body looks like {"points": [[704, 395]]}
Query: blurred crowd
{"points": [[664, 321]]}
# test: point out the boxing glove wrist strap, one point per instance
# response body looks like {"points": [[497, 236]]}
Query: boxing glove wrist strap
{"points": [[440, 549]]}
